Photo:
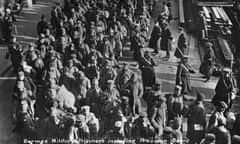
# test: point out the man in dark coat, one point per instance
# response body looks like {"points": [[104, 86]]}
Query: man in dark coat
{"points": [[42, 25], [182, 44], [150, 96], [225, 89], [93, 95], [15, 52], [155, 35], [147, 64], [183, 75], [142, 127], [206, 67], [221, 132], [116, 132], [166, 39], [137, 43], [236, 130], [8, 20], [196, 120]]}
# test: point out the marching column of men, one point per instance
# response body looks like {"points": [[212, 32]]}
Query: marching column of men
{"points": [[70, 85]]}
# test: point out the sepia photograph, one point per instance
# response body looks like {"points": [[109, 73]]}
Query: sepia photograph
{"points": [[119, 71]]}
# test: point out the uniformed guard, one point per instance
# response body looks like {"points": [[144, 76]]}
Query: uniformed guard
{"points": [[183, 75], [182, 44], [155, 36], [207, 65], [147, 64]]}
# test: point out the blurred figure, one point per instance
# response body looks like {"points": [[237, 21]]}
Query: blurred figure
{"points": [[175, 103], [155, 36], [218, 114], [42, 25], [221, 132], [142, 127], [158, 115], [225, 89], [181, 49], [207, 65], [166, 39], [196, 120], [183, 75]]}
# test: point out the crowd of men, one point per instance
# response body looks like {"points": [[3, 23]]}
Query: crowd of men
{"points": [[71, 86]]}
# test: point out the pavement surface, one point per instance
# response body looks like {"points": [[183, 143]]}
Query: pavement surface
{"points": [[166, 70]]}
